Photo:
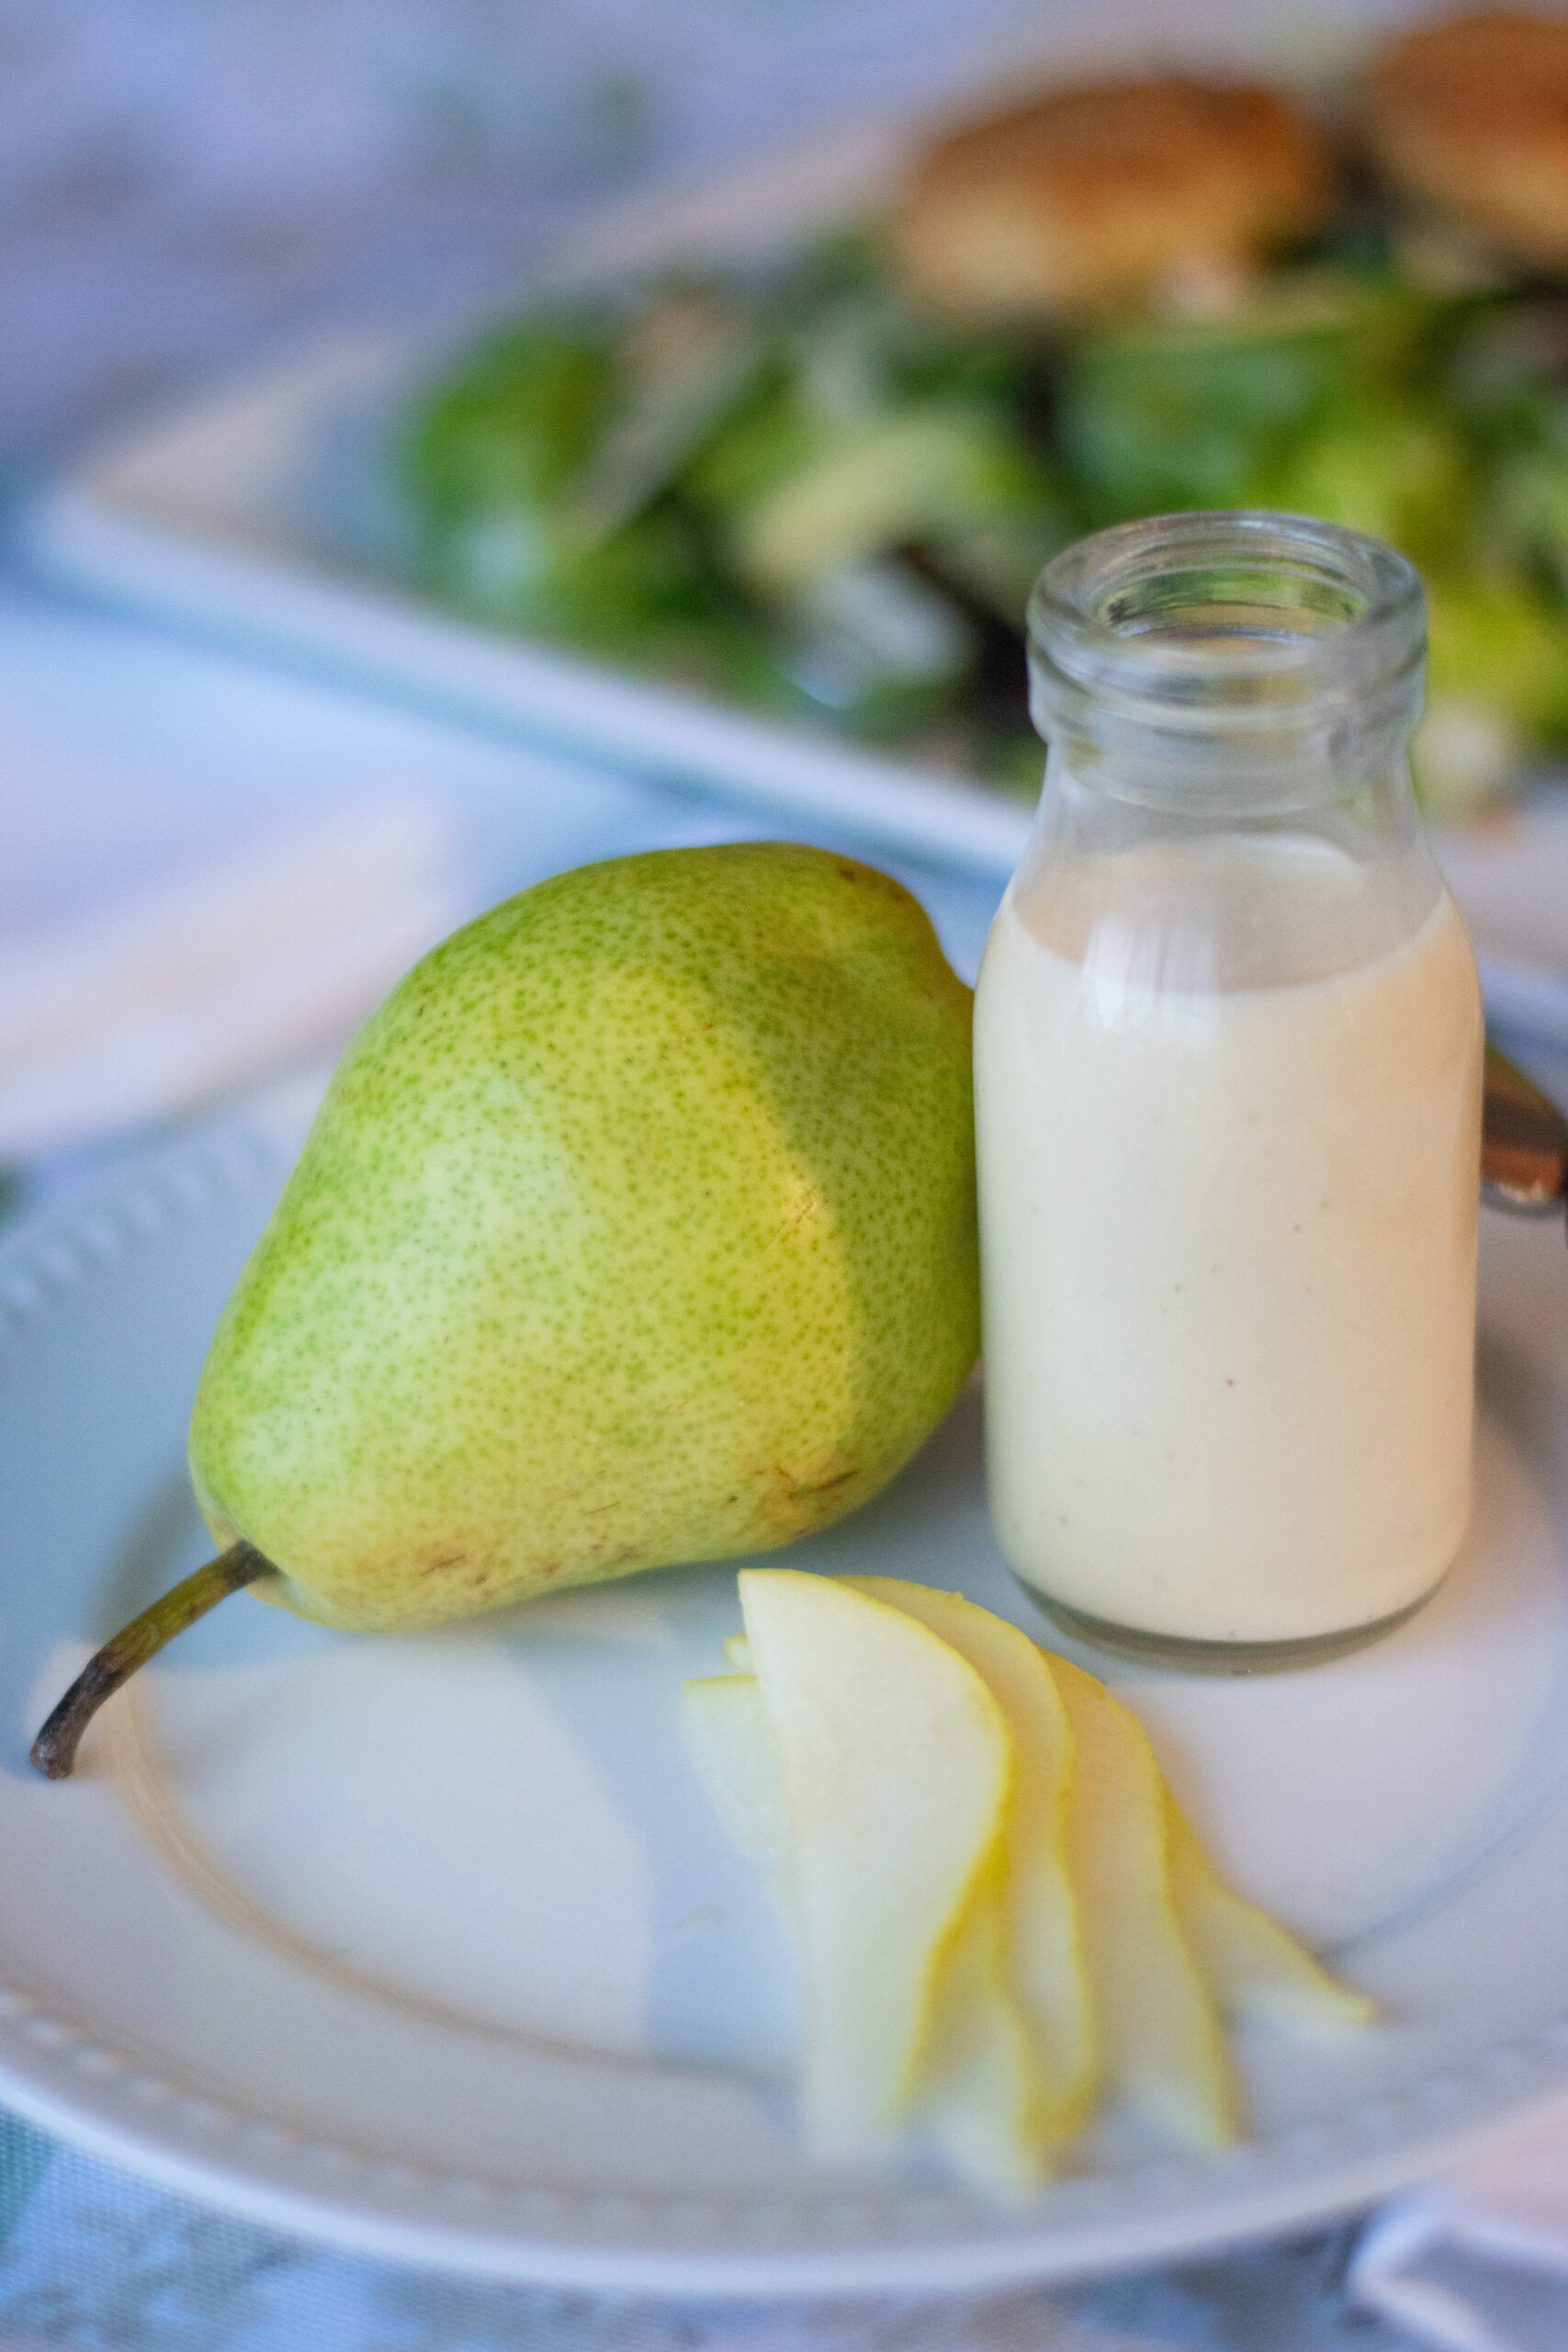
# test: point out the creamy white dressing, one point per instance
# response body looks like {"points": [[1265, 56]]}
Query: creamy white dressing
{"points": [[1228, 1242]]}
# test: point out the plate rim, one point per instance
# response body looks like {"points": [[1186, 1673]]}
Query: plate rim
{"points": [[525, 2253]]}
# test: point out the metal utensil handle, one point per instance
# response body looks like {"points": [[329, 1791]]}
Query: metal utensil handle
{"points": [[1523, 1143]]}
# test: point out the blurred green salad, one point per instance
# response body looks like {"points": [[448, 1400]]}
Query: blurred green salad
{"points": [[803, 495]]}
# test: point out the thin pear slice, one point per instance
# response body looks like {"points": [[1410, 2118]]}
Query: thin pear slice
{"points": [[1045, 1952], [897, 1773], [1256, 1967], [737, 1653], [1163, 2047], [980, 2092], [732, 1753]]}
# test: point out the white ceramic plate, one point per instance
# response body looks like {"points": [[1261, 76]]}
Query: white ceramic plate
{"points": [[429, 1946], [262, 513]]}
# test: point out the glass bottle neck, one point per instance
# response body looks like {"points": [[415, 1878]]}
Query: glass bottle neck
{"points": [[1227, 806], [1228, 665]]}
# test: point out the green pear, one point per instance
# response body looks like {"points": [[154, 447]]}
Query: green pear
{"points": [[638, 1226]]}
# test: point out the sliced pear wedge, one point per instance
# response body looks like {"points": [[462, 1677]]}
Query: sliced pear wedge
{"points": [[1256, 1966], [897, 1774], [1045, 1954], [982, 2092], [1163, 2047], [980, 2097], [1002, 1912], [732, 1753]]}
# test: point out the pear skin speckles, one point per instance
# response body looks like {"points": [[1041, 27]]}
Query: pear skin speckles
{"points": [[638, 1226]]}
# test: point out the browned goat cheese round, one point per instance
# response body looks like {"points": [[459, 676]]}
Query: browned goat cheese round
{"points": [[1470, 118], [1092, 197]]}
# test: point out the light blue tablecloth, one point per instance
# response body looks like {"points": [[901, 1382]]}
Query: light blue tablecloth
{"points": [[97, 2259]]}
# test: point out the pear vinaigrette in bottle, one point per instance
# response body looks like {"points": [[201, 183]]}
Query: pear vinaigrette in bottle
{"points": [[1228, 1049]]}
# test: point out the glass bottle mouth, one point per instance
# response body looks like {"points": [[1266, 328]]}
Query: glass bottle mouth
{"points": [[1240, 635]]}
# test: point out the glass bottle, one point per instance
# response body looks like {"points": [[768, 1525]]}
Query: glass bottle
{"points": [[1228, 1049]]}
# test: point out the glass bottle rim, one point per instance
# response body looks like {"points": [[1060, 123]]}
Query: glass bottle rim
{"points": [[1231, 617]]}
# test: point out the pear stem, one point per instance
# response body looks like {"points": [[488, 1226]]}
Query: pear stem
{"points": [[54, 1750]]}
